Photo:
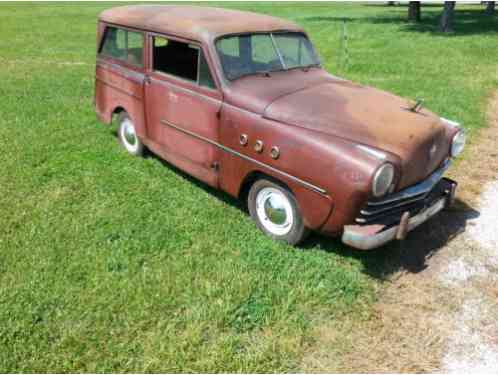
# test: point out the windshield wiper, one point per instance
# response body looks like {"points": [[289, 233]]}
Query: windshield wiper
{"points": [[306, 68], [266, 73]]}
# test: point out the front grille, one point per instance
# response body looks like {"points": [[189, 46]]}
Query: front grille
{"points": [[388, 210]]}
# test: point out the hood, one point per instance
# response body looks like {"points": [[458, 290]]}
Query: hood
{"points": [[371, 117]]}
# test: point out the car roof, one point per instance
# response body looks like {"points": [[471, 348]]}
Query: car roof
{"points": [[194, 22]]}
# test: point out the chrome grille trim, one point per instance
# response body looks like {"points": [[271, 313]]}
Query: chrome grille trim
{"points": [[419, 189], [392, 206], [412, 199]]}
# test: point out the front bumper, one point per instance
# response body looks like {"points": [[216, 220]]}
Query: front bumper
{"points": [[393, 220]]}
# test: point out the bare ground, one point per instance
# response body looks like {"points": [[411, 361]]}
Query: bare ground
{"points": [[439, 312]]}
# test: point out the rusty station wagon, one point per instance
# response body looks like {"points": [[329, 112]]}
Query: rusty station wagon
{"points": [[241, 101]]}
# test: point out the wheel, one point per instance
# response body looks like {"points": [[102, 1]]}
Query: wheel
{"points": [[128, 136], [275, 211]]}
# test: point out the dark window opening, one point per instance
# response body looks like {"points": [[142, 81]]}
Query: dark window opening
{"points": [[181, 60], [123, 45], [176, 58]]}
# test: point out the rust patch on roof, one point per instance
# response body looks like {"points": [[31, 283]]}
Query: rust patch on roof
{"points": [[195, 22]]}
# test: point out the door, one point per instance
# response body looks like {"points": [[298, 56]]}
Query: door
{"points": [[182, 107]]}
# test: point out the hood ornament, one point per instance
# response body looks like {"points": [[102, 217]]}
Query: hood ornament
{"points": [[417, 106]]}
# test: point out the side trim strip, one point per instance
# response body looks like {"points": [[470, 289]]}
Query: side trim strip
{"points": [[242, 156], [118, 88]]}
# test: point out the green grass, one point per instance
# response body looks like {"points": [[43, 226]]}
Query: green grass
{"points": [[109, 263]]}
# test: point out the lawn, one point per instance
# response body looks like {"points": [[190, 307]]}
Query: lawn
{"points": [[112, 263]]}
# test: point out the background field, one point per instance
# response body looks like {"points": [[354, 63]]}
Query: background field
{"points": [[109, 263]]}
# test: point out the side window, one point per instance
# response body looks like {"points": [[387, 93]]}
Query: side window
{"points": [[182, 60], [205, 78], [123, 45], [175, 58]]}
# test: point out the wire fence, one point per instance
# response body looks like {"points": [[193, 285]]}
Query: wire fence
{"points": [[345, 60]]}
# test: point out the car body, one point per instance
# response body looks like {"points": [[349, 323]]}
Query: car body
{"points": [[240, 101]]}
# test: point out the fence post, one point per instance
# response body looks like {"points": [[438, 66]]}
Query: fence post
{"points": [[344, 42]]}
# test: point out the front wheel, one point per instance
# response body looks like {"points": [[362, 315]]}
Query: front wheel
{"points": [[275, 211]]}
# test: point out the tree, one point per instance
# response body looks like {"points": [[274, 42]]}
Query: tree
{"points": [[446, 25], [414, 11], [490, 8]]}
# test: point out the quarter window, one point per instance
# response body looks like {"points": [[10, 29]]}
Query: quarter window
{"points": [[123, 45], [205, 78], [182, 60]]}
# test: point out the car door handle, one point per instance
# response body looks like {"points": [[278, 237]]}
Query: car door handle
{"points": [[147, 80]]}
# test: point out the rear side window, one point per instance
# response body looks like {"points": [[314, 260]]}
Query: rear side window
{"points": [[124, 45], [182, 60]]}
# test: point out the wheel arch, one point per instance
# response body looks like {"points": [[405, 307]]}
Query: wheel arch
{"points": [[137, 118], [117, 110], [254, 176], [315, 207]]}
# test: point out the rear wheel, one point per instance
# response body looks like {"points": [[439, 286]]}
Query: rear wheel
{"points": [[275, 211], [128, 136]]}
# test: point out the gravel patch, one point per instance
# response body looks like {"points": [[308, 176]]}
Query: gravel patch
{"points": [[484, 228], [469, 349], [461, 269]]}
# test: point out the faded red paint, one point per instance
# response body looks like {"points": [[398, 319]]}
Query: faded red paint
{"points": [[317, 120]]}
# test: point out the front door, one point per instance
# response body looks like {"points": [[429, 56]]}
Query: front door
{"points": [[182, 106]]}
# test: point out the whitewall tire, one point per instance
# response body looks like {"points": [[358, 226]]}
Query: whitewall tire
{"points": [[128, 136], [276, 212]]}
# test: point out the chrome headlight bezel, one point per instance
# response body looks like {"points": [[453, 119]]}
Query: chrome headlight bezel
{"points": [[458, 143], [458, 140], [383, 180], [451, 123]]}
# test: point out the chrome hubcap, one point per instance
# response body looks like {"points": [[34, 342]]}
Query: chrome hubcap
{"points": [[274, 211], [129, 136]]}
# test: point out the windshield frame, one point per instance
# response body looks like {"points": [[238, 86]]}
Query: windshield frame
{"points": [[318, 64]]}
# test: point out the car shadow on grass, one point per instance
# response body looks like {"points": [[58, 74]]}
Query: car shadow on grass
{"points": [[410, 255], [222, 196]]}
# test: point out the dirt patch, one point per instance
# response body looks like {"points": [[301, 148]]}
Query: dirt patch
{"points": [[438, 312]]}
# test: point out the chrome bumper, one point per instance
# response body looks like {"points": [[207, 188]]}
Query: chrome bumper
{"points": [[371, 236]]}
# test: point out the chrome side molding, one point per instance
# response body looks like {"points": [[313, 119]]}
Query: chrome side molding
{"points": [[245, 157]]}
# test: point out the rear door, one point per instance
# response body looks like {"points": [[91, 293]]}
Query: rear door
{"points": [[182, 106], [120, 73]]}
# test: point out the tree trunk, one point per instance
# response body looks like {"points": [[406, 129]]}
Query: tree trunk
{"points": [[414, 11], [446, 25], [490, 8]]}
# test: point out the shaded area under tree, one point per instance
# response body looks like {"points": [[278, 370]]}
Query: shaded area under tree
{"points": [[446, 20], [466, 21]]}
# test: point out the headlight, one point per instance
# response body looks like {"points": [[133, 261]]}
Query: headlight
{"points": [[382, 180], [458, 143]]}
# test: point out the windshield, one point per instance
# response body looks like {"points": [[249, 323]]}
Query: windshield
{"points": [[242, 55]]}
